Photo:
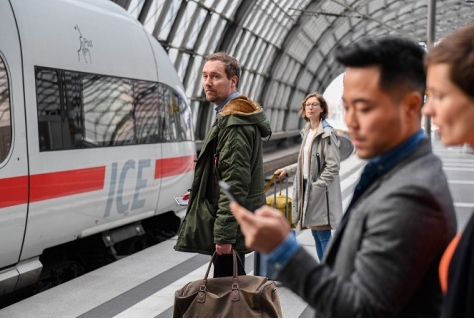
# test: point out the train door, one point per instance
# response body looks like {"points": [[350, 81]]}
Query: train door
{"points": [[13, 152]]}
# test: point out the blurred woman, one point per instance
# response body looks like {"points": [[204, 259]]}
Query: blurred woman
{"points": [[450, 103], [317, 199]]}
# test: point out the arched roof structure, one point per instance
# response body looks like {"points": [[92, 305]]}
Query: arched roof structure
{"points": [[284, 46]]}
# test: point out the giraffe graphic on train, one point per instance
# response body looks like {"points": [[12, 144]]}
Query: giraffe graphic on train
{"points": [[84, 46]]}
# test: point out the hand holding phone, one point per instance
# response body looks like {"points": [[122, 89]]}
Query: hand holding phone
{"points": [[181, 200], [226, 189]]}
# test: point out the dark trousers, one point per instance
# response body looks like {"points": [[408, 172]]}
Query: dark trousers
{"points": [[223, 266]]}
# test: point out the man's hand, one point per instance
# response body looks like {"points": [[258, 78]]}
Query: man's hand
{"points": [[264, 230], [224, 249]]}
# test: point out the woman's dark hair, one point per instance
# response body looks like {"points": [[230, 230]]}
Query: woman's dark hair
{"points": [[322, 102]]}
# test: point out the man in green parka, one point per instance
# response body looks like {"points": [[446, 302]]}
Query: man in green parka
{"points": [[232, 152]]}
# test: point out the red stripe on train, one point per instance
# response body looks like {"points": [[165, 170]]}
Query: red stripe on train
{"points": [[13, 191], [174, 166], [58, 184]]}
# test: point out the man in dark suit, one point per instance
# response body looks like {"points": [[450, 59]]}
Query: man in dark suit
{"points": [[384, 257]]}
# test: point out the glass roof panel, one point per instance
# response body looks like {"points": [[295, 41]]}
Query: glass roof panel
{"points": [[230, 7], [193, 87], [196, 28], [183, 64], [279, 71], [208, 3], [207, 33], [185, 27], [135, 7], [153, 15], [242, 45], [173, 54], [247, 81], [304, 80], [327, 44], [340, 31], [287, 71], [299, 47], [254, 55], [169, 19], [294, 72], [278, 42], [214, 38], [375, 5], [257, 86], [267, 60]]}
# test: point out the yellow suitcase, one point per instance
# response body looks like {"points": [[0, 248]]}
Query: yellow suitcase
{"points": [[283, 203]]}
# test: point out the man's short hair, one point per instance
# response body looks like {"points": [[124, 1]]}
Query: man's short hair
{"points": [[457, 50], [400, 61], [232, 66]]}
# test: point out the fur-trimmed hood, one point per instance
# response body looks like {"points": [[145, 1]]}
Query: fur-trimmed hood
{"points": [[243, 111]]}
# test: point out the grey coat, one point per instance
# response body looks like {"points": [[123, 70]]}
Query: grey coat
{"points": [[322, 204], [383, 260]]}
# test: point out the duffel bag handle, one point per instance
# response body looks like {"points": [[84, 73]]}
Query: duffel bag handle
{"points": [[235, 279]]}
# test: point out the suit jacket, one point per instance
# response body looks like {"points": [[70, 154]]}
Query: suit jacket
{"points": [[383, 259]]}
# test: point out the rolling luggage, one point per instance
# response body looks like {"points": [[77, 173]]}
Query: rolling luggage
{"points": [[283, 203]]}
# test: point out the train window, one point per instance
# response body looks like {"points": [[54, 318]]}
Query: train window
{"points": [[49, 110], [108, 111], [73, 104], [178, 117], [185, 126], [171, 106], [148, 112], [5, 118], [79, 110]]}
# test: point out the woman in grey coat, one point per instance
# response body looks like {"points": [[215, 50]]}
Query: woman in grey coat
{"points": [[317, 199]]}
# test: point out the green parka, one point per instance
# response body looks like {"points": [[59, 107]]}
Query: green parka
{"points": [[234, 146]]}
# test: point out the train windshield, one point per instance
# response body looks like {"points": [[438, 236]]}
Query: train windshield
{"points": [[5, 118]]}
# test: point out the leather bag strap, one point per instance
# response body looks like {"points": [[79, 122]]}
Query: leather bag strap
{"points": [[235, 296]]}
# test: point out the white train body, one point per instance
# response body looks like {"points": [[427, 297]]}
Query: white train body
{"points": [[96, 133]]}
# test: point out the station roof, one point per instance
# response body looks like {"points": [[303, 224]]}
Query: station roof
{"points": [[285, 47]]}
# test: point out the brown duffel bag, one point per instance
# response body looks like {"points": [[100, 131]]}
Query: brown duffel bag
{"points": [[228, 297]]}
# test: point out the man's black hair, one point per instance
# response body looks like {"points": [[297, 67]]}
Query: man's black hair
{"points": [[400, 61]]}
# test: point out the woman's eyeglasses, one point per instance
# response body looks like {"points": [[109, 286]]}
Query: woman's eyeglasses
{"points": [[312, 105]]}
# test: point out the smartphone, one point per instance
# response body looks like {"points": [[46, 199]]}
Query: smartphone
{"points": [[181, 201], [226, 189]]}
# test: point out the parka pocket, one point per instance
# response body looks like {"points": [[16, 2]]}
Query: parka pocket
{"points": [[317, 212], [208, 209]]}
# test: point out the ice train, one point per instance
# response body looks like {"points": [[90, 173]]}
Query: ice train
{"points": [[95, 136]]}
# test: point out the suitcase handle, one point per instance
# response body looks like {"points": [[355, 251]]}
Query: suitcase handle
{"points": [[270, 182], [287, 202]]}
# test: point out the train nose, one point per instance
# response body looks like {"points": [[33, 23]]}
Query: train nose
{"points": [[346, 147]]}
